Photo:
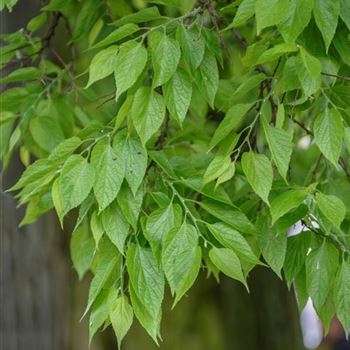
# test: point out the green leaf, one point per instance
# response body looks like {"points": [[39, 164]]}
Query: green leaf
{"points": [[165, 58], [148, 112], [134, 158], [82, 249], [99, 313], [207, 77], [347, 138], [115, 225], [287, 201], [326, 13], [328, 131], [192, 45], [57, 199], [178, 93], [276, 52], [258, 170], [230, 215], [216, 168], [37, 22], [181, 258], [231, 121], [107, 270], [230, 238], [245, 11], [341, 295], [332, 208], [21, 74], [130, 204], [103, 64], [273, 247], [308, 69], [158, 224], [345, 12], [270, 12], [297, 249], [64, 149], [321, 267], [144, 15], [226, 175], [299, 15], [96, 227], [146, 277], [131, 61], [121, 315], [281, 147], [117, 35], [46, 132], [33, 173], [77, 178], [227, 261], [109, 167], [150, 322]]}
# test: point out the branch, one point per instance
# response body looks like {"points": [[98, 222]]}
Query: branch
{"points": [[340, 77]]}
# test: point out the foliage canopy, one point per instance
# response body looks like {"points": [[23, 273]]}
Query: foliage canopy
{"points": [[183, 136]]}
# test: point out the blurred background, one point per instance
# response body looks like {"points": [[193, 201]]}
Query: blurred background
{"points": [[42, 300]]}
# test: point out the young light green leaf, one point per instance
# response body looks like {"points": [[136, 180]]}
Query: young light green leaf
{"points": [[207, 77], [146, 277], [20, 74], [148, 112], [230, 238], [77, 178], [178, 93], [345, 12], [308, 69], [130, 62], [115, 225], [276, 52], [82, 249], [245, 11], [231, 121], [181, 258], [270, 12], [121, 316], [258, 170], [321, 267], [96, 227], [287, 201], [331, 207], [299, 15], [227, 261], [109, 168], [117, 35], [102, 65], [341, 295], [326, 13], [216, 168], [226, 175], [57, 199], [165, 58], [281, 147], [144, 15], [192, 45], [328, 131]]}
